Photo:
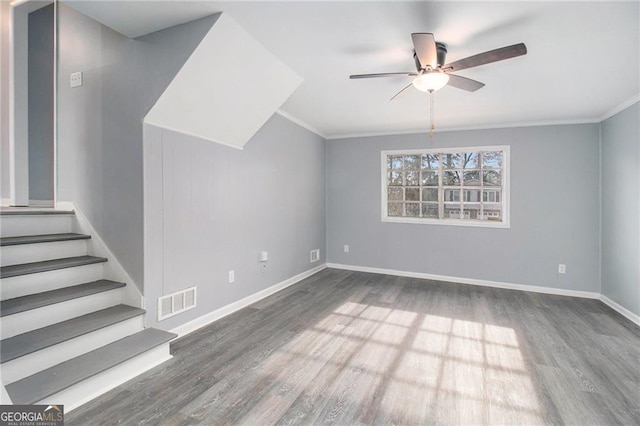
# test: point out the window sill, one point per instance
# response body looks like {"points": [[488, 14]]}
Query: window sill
{"points": [[447, 222]]}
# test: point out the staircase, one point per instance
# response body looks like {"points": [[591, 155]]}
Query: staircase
{"points": [[66, 335]]}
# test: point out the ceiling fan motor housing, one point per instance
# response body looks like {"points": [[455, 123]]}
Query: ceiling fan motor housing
{"points": [[441, 49], [442, 53]]}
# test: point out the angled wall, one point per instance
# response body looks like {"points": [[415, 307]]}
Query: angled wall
{"points": [[229, 87]]}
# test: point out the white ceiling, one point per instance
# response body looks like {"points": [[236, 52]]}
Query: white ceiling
{"points": [[583, 58]]}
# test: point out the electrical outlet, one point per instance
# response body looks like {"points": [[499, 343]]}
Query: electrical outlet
{"points": [[314, 255], [232, 276], [562, 268], [346, 248], [75, 79]]}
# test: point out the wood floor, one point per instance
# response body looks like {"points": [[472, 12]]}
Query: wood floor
{"points": [[351, 348]]}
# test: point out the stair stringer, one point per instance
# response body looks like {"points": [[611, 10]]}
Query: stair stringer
{"points": [[113, 269]]}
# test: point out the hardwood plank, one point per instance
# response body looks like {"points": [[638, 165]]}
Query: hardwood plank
{"points": [[354, 348]]}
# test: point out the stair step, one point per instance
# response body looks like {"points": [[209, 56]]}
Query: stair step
{"points": [[39, 300], [32, 341], [48, 265], [47, 238], [59, 377]]}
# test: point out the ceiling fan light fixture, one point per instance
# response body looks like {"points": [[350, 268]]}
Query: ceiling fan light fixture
{"points": [[430, 81]]}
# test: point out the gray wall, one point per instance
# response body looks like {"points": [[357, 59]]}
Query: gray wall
{"points": [[554, 210], [621, 208], [41, 63], [4, 99], [210, 209], [100, 123]]}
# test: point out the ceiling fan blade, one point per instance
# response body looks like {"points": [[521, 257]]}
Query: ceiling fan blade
{"points": [[487, 57], [425, 46], [464, 83], [402, 91], [382, 74]]}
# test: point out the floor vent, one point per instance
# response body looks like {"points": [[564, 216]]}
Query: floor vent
{"points": [[175, 303], [314, 255]]}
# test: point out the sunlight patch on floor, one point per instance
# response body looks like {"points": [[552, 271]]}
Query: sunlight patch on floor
{"points": [[414, 365]]}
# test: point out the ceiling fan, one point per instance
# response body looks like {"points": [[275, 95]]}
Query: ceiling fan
{"points": [[433, 74]]}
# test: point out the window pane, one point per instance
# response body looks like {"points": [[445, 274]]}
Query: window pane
{"points": [[412, 178], [430, 161], [412, 162], [492, 196], [395, 209], [463, 185], [491, 178], [430, 210], [429, 178], [451, 195], [471, 195], [470, 160], [412, 194], [394, 194], [396, 162], [471, 178], [430, 194], [471, 211], [492, 212], [413, 209], [452, 211], [452, 161], [395, 178], [451, 178], [492, 160]]}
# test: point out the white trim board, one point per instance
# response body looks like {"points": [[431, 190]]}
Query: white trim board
{"points": [[495, 126], [620, 309], [41, 203], [300, 123], [496, 284], [113, 269], [204, 320], [620, 107], [472, 281]]}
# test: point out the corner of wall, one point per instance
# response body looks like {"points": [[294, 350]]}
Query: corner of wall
{"points": [[600, 205]]}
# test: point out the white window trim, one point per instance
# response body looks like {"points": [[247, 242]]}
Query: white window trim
{"points": [[506, 183]]}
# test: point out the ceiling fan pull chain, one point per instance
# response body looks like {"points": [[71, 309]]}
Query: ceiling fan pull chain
{"points": [[431, 113]]}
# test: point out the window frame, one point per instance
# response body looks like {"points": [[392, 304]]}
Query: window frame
{"points": [[506, 181]]}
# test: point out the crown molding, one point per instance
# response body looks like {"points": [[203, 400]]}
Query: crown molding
{"points": [[620, 107], [300, 123]]}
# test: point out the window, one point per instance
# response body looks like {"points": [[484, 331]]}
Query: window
{"points": [[458, 186]]}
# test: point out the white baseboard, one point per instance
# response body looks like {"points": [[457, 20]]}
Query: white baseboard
{"points": [[41, 203], [113, 270], [191, 326], [620, 309], [472, 281]]}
